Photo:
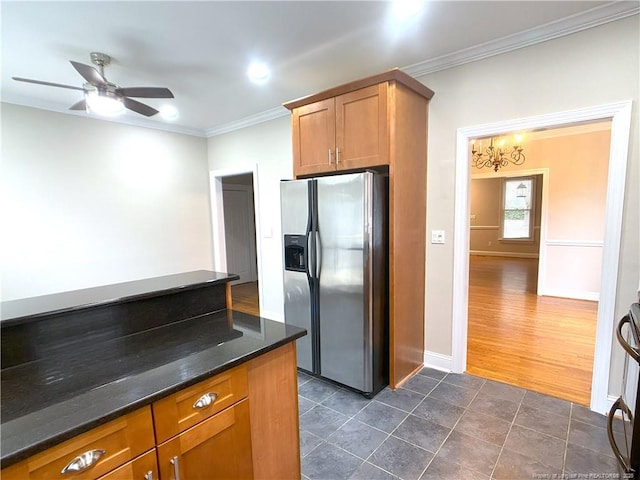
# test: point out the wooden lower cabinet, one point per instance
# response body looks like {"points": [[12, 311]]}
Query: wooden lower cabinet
{"points": [[217, 448], [145, 467], [121, 440], [248, 430]]}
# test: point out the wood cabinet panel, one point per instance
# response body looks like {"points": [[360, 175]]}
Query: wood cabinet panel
{"points": [[121, 439], [273, 403], [313, 127], [216, 448], [145, 467], [177, 412], [362, 128]]}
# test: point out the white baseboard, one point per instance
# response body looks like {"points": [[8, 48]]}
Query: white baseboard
{"points": [[438, 361], [575, 294], [503, 254]]}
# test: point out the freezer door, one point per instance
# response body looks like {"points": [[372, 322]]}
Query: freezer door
{"points": [[294, 200], [343, 255]]}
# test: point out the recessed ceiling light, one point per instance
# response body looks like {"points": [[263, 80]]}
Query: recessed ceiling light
{"points": [[258, 73], [169, 112], [405, 9]]}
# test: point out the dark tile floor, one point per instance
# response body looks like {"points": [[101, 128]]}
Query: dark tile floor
{"points": [[448, 426]]}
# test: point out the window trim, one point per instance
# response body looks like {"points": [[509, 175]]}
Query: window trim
{"points": [[532, 211]]}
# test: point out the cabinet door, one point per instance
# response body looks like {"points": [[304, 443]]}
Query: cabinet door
{"points": [[217, 448], [314, 128], [145, 467], [362, 128]]}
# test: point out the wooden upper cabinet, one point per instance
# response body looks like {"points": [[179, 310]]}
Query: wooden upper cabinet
{"points": [[314, 128], [361, 128], [352, 126], [342, 133]]}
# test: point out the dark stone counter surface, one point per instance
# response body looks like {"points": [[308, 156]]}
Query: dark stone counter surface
{"points": [[69, 391]]}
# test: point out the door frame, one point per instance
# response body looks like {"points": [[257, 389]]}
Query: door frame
{"points": [[620, 116], [217, 220]]}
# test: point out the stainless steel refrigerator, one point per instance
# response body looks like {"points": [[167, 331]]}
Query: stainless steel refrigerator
{"points": [[335, 276]]}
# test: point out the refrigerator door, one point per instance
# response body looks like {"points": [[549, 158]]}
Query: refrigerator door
{"points": [[296, 222], [344, 204]]}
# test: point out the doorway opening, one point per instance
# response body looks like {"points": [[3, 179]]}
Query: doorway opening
{"points": [[533, 316], [620, 116], [235, 235]]}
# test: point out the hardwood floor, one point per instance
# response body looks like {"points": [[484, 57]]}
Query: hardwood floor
{"points": [[245, 298], [545, 344]]}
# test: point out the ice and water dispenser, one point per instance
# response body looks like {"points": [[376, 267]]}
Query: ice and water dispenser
{"points": [[295, 253]]}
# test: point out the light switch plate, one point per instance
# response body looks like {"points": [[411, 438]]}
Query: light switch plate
{"points": [[437, 236]]}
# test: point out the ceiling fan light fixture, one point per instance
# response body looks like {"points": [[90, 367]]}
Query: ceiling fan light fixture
{"points": [[104, 103], [169, 112]]}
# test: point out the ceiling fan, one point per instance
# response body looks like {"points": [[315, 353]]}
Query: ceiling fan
{"points": [[101, 94]]}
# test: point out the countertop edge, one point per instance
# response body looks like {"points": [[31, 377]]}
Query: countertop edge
{"points": [[13, 321]]}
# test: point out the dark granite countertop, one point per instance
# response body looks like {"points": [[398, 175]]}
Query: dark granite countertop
{"points": [[47, 401], [15, 311]]}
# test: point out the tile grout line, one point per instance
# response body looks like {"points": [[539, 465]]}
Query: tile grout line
{"points": [[493, 470], [391, 433], [566, 445], [452, 428]]}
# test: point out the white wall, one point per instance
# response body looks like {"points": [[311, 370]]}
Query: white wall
{"points": [[593, 67], [87, 202], [267, 145]]}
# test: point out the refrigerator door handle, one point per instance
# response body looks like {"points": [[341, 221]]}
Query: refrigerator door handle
{"points": [[310, 254], [318, 254]]}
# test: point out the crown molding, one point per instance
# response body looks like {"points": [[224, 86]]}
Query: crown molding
{"points": [[141, 122], [566, 26], [575, 23], [265, 116]]}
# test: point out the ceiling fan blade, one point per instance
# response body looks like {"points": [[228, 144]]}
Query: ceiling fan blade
{"points": [[138, 107], [90, 74], [145, 92], [49, 84], [81, 105]]}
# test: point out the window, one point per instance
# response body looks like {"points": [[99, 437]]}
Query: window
{"points": [[517, 216]]}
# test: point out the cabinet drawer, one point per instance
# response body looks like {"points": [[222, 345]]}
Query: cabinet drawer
{"points": [[184, 409], [121, 439], [145, 467]]}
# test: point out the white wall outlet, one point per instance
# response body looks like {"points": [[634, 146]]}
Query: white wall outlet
{"points": [[437, 236]]}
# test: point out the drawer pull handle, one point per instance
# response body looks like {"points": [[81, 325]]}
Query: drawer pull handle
{"points": [[148, 475], [176, 468], [205, 400], [83, 461]]}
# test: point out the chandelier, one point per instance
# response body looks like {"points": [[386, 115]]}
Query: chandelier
{"points": [[497, 156]]}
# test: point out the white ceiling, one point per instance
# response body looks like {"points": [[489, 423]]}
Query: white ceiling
{"points": [[201, 50]]}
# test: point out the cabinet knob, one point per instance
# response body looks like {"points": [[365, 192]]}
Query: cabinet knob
{"points": [[337, 155], [148, 475], [205, 400], [83, 461], [330, 161]]}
